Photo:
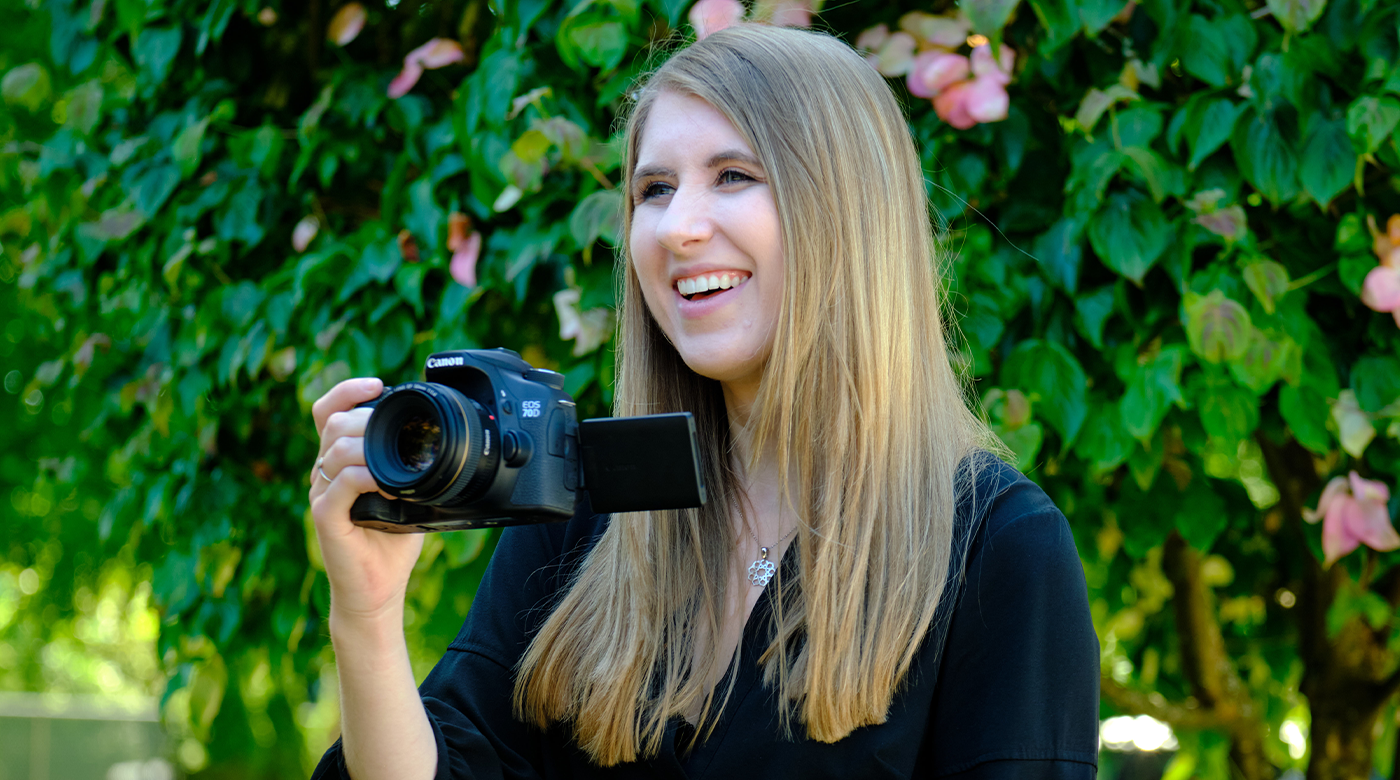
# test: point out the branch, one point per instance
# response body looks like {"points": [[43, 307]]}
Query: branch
{"points": [[1204, 660], [1175, 714]]}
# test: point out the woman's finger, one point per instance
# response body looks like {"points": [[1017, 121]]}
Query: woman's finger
{"points": [[340, 425], [343, 397], [331, 508]]}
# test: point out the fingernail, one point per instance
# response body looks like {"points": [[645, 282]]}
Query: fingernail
{"points": [[370, 384]]}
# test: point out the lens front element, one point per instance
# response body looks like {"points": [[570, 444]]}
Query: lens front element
{"points": [[420, 443], [429, 443]]}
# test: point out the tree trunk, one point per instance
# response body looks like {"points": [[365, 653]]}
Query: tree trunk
{"points": [[1342, 738]]}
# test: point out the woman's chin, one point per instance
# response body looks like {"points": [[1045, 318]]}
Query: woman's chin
{"points": [[727, 366]]}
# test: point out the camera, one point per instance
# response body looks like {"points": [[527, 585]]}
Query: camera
{"points": [[489, 440]]}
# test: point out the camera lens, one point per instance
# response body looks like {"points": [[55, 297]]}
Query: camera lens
{"points": [[420, 441], [430, 444]]}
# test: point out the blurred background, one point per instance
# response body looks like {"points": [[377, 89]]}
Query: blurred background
{"points": [[1167, 227]]}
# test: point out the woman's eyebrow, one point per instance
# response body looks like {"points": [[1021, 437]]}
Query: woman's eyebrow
{"points": [[716, 160]]}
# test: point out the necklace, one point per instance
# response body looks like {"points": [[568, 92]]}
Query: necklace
{"points": [[762, 570]]}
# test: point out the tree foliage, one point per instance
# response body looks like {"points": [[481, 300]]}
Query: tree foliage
{"points": [[213, 211]]}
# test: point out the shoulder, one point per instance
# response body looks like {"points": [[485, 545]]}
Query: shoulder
{"points": [[998, 506]]}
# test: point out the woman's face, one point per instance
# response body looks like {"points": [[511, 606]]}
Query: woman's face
{"points": [[705, 239]]}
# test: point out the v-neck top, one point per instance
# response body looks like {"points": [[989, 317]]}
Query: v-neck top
{"points": [[1005, 685]]}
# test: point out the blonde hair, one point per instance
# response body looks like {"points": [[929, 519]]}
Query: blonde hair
{"points": [[858, 400]]}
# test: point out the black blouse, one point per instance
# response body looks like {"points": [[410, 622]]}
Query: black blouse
{"points": [[1005, 686]]}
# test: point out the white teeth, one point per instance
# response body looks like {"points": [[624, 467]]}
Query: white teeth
{"points": [[700, 284]]}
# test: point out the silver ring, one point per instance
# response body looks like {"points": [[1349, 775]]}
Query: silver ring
{"points": [[322, 471]]}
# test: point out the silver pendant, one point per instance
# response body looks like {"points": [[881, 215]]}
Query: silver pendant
{"points": [[761, 571]]}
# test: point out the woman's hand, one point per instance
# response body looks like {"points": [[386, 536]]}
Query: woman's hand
{"points": [[368, 569]]}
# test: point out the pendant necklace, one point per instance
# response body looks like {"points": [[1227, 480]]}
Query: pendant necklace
{"points": [[762, 570]]}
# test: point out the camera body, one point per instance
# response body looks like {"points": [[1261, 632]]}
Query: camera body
{"points": [[490, 440]]}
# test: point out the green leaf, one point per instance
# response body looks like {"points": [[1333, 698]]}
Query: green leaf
{"points": [[1092, 310], [239, 218], [28, 86], [1305, 412], [597, 216], [1048, 370], [1371, 120], [154, 188], [1059, 251], [1266, 159], [155, 50], [1328, 161], [408, 282], [1058, 20], [1268, 281], [1025, 441], [1264, 360], [1162, 177], [1096, 14], [186, 148], [1104, 441], [600, 42], [1218, 49], [395, 341], [1096, 101], [1352, 270], [1376, 380], [1228, 412], [240, 303], [1201, 516], [1296, 15], [1151, 391], [1130, 234], [85, 106], [988, 16], [1208, 126], [1217, 328]]}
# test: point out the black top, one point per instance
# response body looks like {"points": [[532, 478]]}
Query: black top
{"points": [[1004, 688]]}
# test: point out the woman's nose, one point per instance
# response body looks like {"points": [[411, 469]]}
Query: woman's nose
{"points": [[686, 225]]}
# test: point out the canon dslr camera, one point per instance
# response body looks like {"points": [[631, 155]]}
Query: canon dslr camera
{"points": [[490, 440]]}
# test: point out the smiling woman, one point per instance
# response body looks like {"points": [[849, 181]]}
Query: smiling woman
{"points": [[927, 611]]}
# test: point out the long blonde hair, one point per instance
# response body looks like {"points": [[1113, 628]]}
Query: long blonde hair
{"points": [[858, 400]]}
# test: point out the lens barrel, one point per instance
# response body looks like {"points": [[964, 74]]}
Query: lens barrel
{"points": [[430, 444]]}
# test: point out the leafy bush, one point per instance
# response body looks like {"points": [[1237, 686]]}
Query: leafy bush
{"points": [[1167, 247]]}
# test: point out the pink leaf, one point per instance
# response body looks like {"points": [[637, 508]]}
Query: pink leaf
{"points": [[1371, 524], [792, 13], [1336, 488], [1337, 538], [403, 82], [983, 66], [873, 38], [896, 56], [436, 53], [1381, 290], [985, 99], [950, 107], [346, 24], [304, 232], [934, 71], [711, 16], [1368, 490], [463, 265]]}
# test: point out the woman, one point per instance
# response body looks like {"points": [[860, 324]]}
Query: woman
{"points": [[928, 614]]}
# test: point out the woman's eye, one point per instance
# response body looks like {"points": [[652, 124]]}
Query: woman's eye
{"points": [[731, 176], [655, 189]]}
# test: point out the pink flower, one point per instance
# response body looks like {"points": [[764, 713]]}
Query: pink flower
{"points": [[1353, 512], [983, 66], [895, 56], [436, 53], [950, 105], [934, 71], [346, 24], [710, 16], [985, 99], [1381, 290]]}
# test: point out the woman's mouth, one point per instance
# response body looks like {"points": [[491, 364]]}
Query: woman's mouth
{"points": [[698, 288]]}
